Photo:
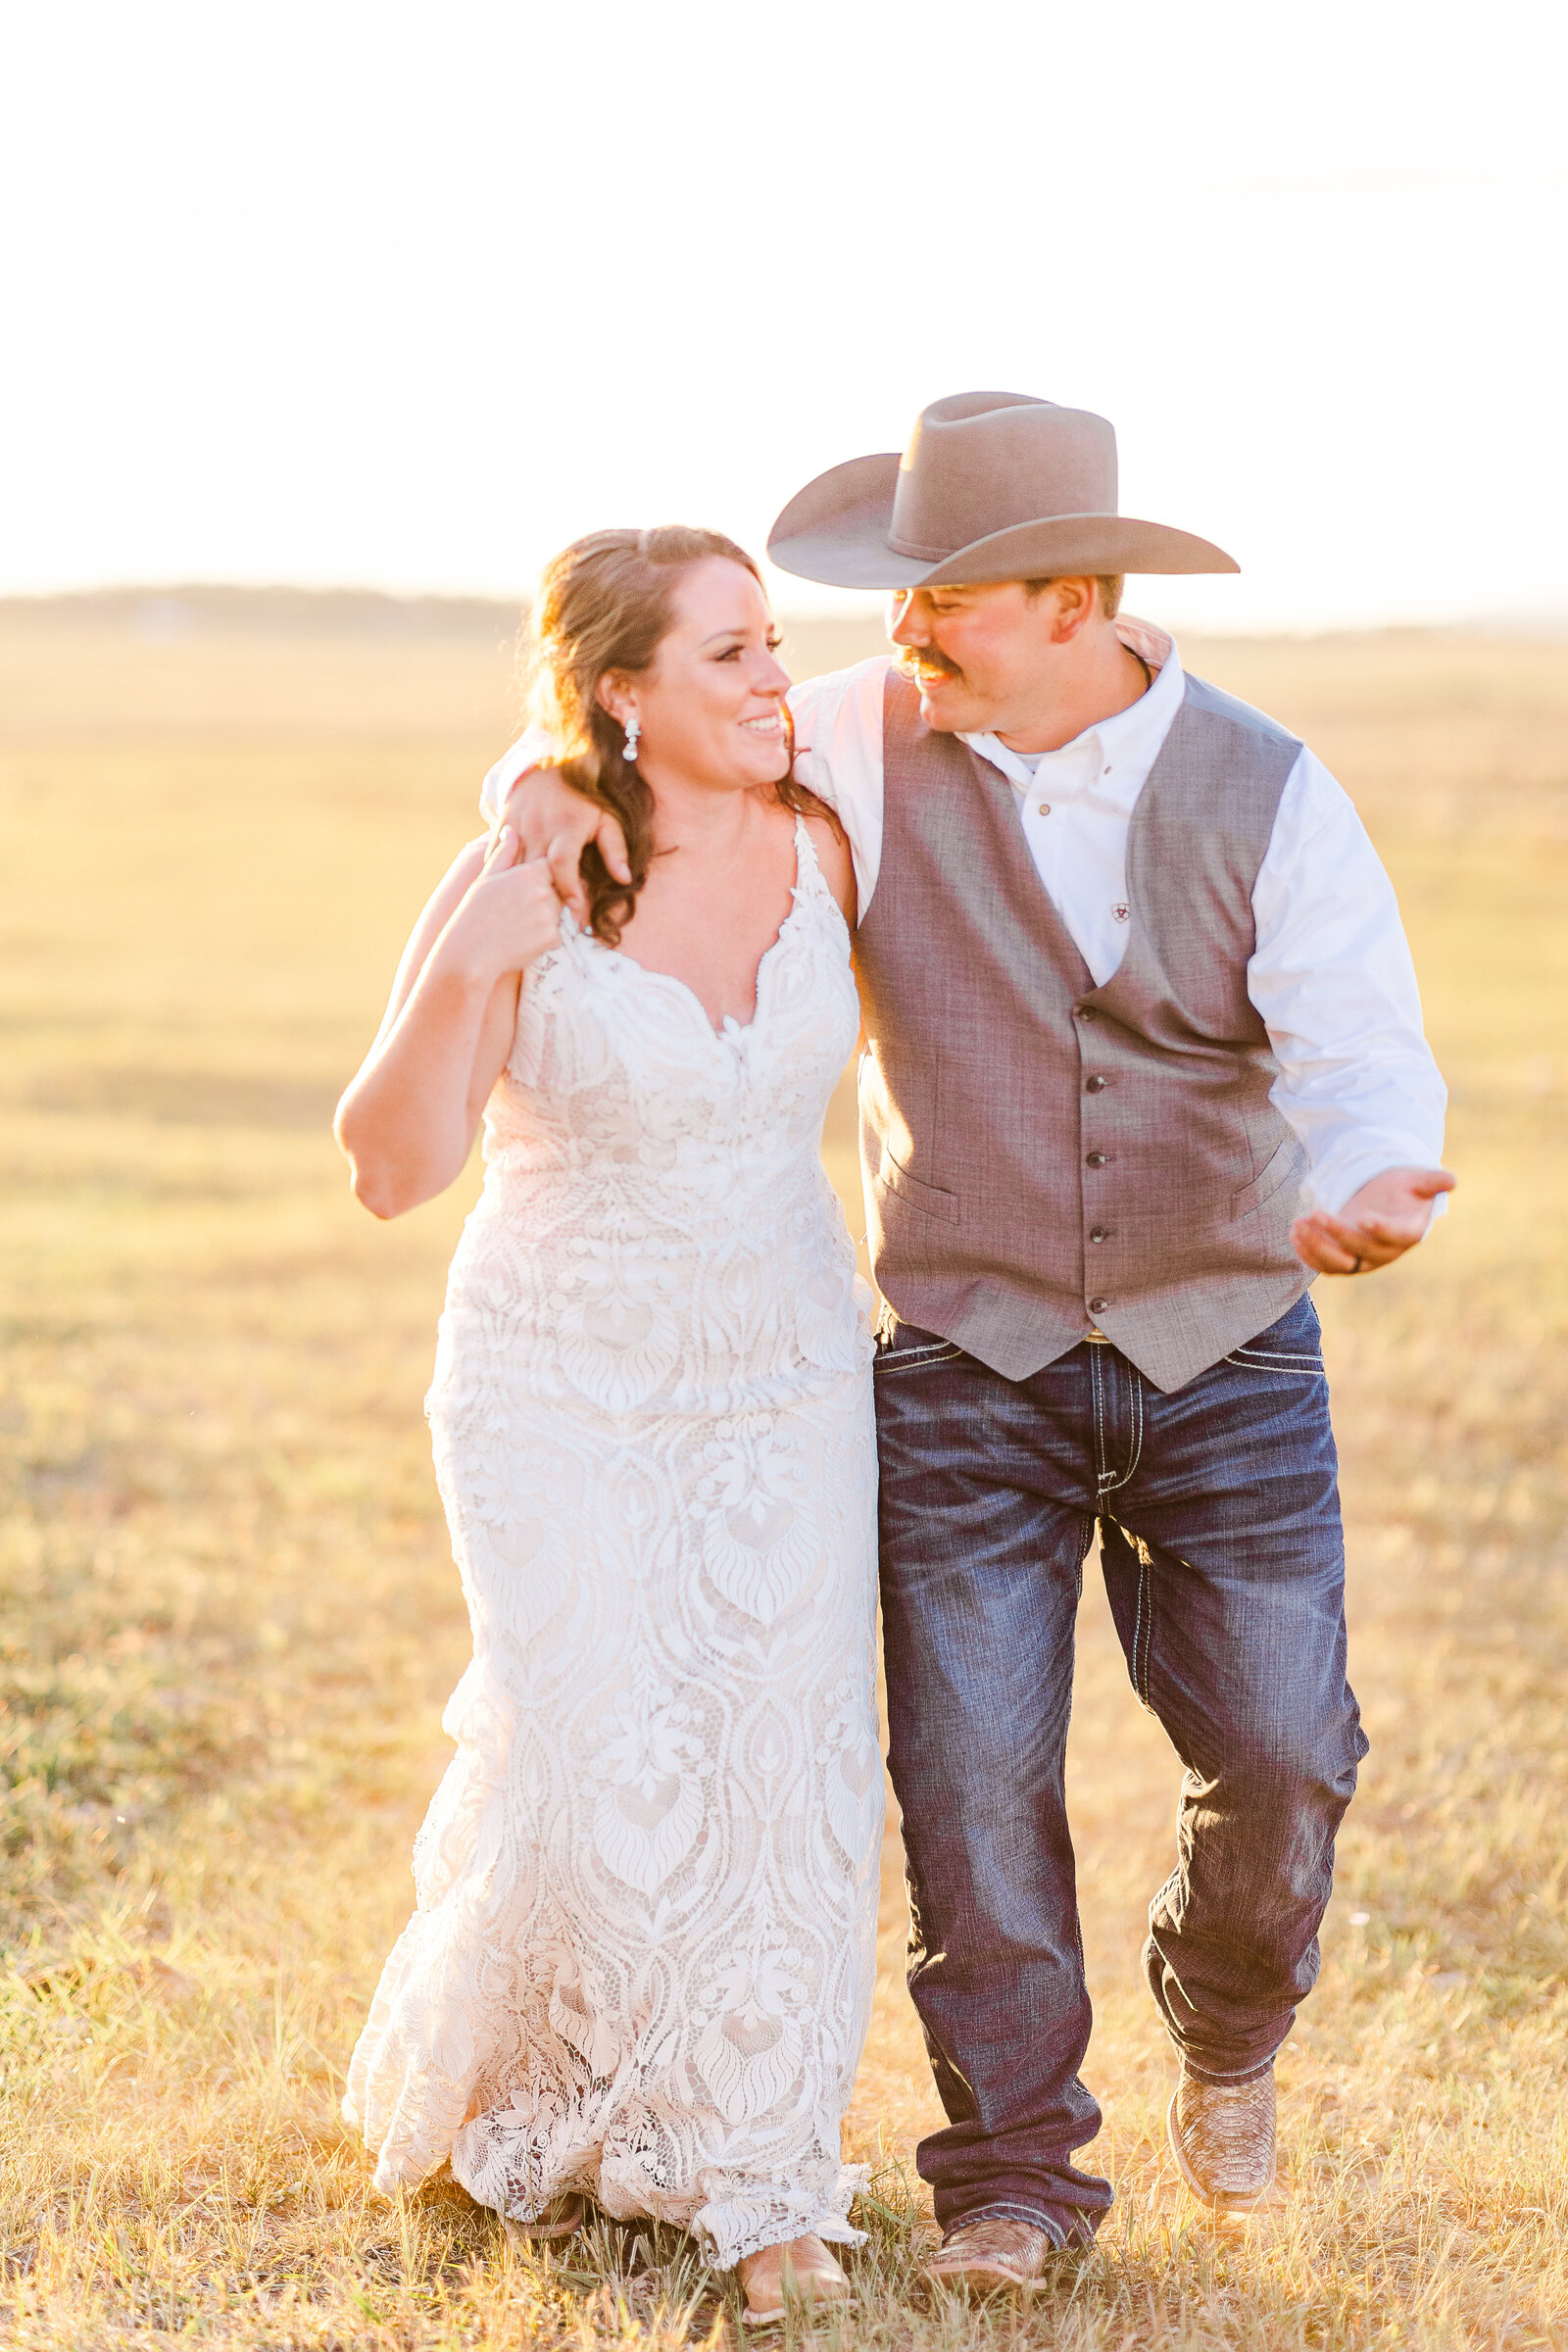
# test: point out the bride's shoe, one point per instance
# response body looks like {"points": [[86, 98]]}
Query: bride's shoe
{"points": [[803, 2271]]}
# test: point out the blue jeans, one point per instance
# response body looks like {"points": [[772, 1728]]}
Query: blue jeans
{"points": [[1219, 1527]]}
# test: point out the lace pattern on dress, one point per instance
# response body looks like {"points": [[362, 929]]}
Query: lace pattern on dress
{"points": [[641, 1959]]}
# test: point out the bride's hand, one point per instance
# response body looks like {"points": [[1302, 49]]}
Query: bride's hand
{"points": [[509, 916]]}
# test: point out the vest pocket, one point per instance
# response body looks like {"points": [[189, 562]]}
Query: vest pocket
{"points": [[1286, 1161], [929, 1199]]}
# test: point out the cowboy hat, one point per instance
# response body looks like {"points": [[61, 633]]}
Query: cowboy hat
{"points": [[993, 486]]}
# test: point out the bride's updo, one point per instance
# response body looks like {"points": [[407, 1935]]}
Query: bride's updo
{"points": [[606, 602]]}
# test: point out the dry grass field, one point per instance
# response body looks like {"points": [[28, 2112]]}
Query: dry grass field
{"points": [[229, 1620]]}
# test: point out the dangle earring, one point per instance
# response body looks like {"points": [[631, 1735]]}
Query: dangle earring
{"points": [[633, 730]]}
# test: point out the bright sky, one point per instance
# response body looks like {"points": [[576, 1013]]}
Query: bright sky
{"points": [[406, 296]]}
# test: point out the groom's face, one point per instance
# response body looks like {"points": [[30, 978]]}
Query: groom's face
{"points": [[981, 655]]}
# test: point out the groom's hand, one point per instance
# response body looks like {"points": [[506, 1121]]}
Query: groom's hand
{"points": [[553, 823], [1378, 1224]]}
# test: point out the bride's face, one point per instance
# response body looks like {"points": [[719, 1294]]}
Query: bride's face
{"points": [[711, 706]]}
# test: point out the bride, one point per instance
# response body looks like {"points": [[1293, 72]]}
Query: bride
{"points": [[641, 1964]]}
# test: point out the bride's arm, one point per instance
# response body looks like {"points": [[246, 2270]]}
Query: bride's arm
{"points": [[407, 1120], [436, 913]]}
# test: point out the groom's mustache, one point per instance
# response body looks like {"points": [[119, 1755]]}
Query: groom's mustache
{"points": [[910, 660]]}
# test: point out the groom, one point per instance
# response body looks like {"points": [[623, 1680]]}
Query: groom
{"points": [[1144, 1048]]}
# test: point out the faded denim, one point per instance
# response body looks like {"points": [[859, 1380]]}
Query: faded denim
{"points": [[1218, 1514]]}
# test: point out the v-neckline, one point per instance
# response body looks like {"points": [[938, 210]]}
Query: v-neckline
{"points": [[729, 1027]]}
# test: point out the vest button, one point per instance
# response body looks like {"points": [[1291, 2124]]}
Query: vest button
{"points": [[1097, 1306], [1087, 1013], [1099, 1233], [1096, 1160], [1096, 1086]]}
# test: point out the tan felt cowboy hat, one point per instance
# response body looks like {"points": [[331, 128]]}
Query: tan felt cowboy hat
{"points": [[993, 486]]}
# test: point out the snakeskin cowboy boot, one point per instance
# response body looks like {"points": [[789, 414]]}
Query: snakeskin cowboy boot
{"points": [[1222, 2138]]}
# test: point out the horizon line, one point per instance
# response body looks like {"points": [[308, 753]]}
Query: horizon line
{"points": [[162, 615]]}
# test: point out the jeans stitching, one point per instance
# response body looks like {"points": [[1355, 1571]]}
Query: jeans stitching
{"points": [[1146, 1628], [1254, 1360], [1108, 1483], [1135, 1392], [1175, 1880], [1104, 1481], [917, 1359], [1137, 1625], [1089, 1525]]}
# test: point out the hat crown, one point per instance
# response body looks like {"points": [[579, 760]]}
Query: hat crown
{"points": [[984, 462]]}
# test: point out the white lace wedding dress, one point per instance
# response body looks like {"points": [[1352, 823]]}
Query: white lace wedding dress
{"points": [[643, 1954]]}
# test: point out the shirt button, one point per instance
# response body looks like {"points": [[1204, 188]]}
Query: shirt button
{"points": [[1045, 808], [1096, 1160], [1096, 1086], [1097, 1306], [1099, 1233]]}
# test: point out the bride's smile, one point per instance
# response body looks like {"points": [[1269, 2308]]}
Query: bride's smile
{"points": [[710, 710]]}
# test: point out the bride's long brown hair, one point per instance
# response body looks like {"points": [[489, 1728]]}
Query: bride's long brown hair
{"points": [[604, 603]]}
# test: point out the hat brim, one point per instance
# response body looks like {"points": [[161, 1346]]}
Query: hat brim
{"points": [[836, 531]]}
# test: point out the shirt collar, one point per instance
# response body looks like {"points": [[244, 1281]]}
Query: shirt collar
{"points": [[1118, 751]]}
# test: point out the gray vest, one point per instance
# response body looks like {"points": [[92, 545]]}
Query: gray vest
{"points": [[1042, 1157]]}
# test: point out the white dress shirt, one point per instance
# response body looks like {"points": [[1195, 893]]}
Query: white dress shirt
{"points": [[1330, 973]]}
